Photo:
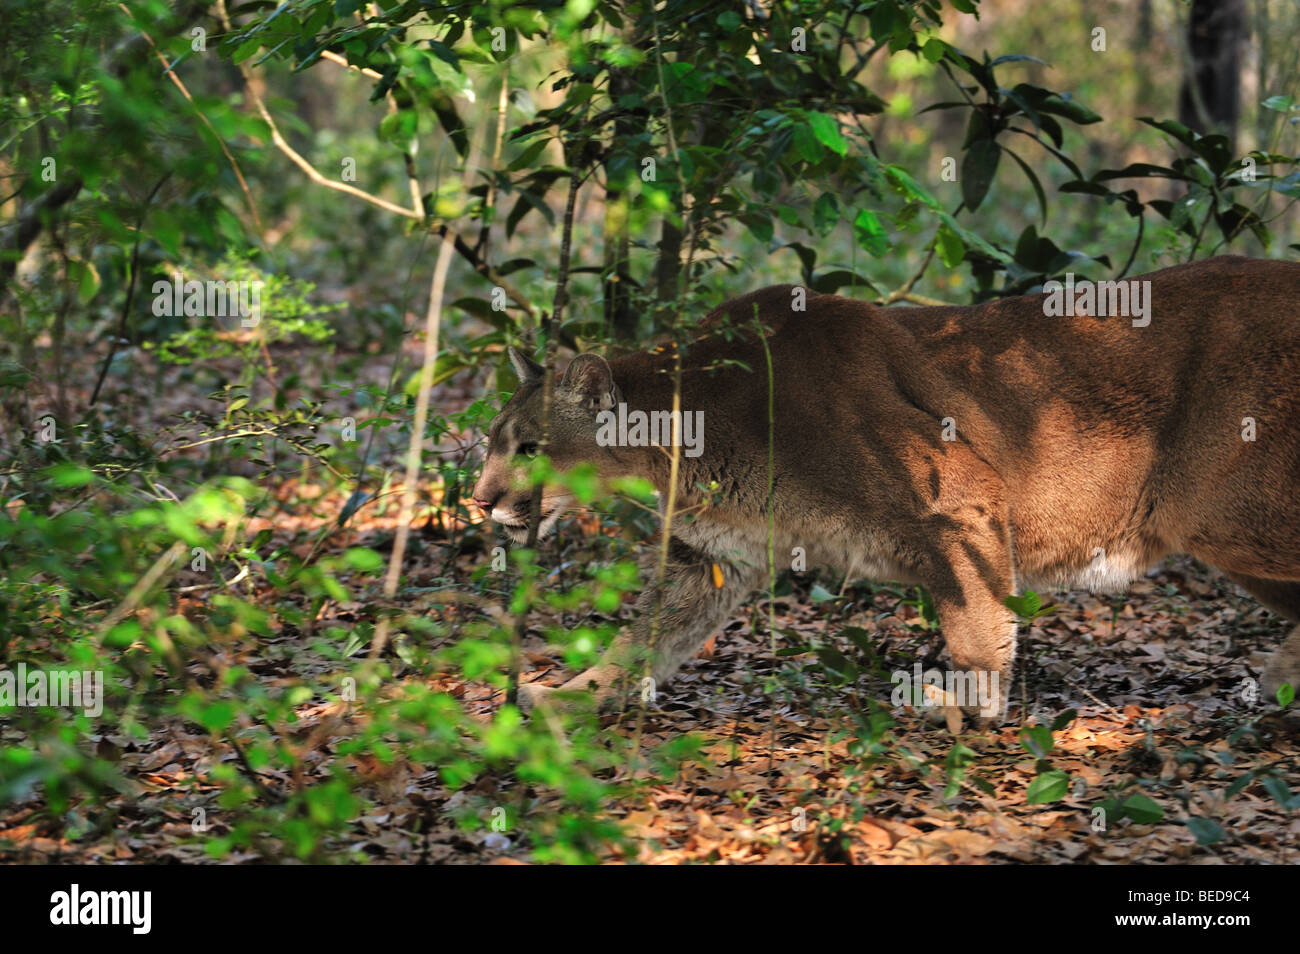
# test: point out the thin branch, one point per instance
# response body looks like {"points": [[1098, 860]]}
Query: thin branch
{"points": [[1214, 198], [342, 61], [310, 170], [925, 300], [1142, 223], [176, 80], [903, 291], [674, 464], [550, 325], [221, 437], [432, 325], [485, 269], [134, 268], [283, 145], [142, 586]]}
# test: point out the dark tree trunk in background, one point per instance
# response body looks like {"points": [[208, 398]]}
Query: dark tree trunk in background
{"points": [[620, 319], [668, 268], [1143, 94], [1263, 45], [1210, 99]]}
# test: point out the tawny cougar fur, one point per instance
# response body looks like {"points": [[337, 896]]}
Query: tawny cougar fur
{"points": [[976, 450]]}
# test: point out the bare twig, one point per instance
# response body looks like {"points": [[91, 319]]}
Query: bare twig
{"points": [[283, 145], [432, 325], [342, 61], [902, 292], [142, 586], [551, 326]]}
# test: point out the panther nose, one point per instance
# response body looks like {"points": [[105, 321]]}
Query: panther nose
{"points": [[484, 505]]}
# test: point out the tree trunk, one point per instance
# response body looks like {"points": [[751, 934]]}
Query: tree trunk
{"points": [[1210, 99], [667, 272], [620, 320]]}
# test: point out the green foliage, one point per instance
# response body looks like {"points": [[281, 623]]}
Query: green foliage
{"points": [[1050, 784], [285, 315], [727, 144], [1027, 607]]}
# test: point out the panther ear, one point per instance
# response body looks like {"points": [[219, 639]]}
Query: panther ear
{"points": [[589, 381], [525, 367]]}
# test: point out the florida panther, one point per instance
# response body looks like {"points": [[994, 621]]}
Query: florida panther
{"points": [[975, 450]]}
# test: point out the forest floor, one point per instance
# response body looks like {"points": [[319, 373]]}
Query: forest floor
{"points": [[1161, 680]]}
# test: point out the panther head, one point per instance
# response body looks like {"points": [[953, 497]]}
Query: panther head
{"points": [[502, 491]]}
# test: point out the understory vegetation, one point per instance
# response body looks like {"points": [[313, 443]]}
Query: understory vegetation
{"points": [[251, 523]]}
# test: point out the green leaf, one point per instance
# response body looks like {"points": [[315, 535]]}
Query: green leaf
{"points": [[819, 594], [1024, 606], [399, 128], [1239, 783], [950, 247], [65, 476], [978, 167], [584, 482], [86, 277], [1063, 105], [217, 716], [1049, 786], [910, 188], [1285, 694], [1173, 128], [1016, 58], [1037, 741], [826, 213], [123, 634], [934, 49], [807, 258], [478, 307], [759, 224], [13, 374], [1063, 720], [1206, 830], [806, 143], [1141, 809], [364, 559], [1137, 170], [870, 233], [972, 239], [862, 639], [1279, 104], [1033, 181], [827, 132], [836, 664], [245, 50], [528, 156], [1280, 791]]}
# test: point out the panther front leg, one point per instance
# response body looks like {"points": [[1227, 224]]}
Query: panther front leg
{"points": [[692, 608], [969, 575], [967, 564]]}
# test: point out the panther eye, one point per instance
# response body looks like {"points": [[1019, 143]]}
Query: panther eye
{"points": [[528, 450]]}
